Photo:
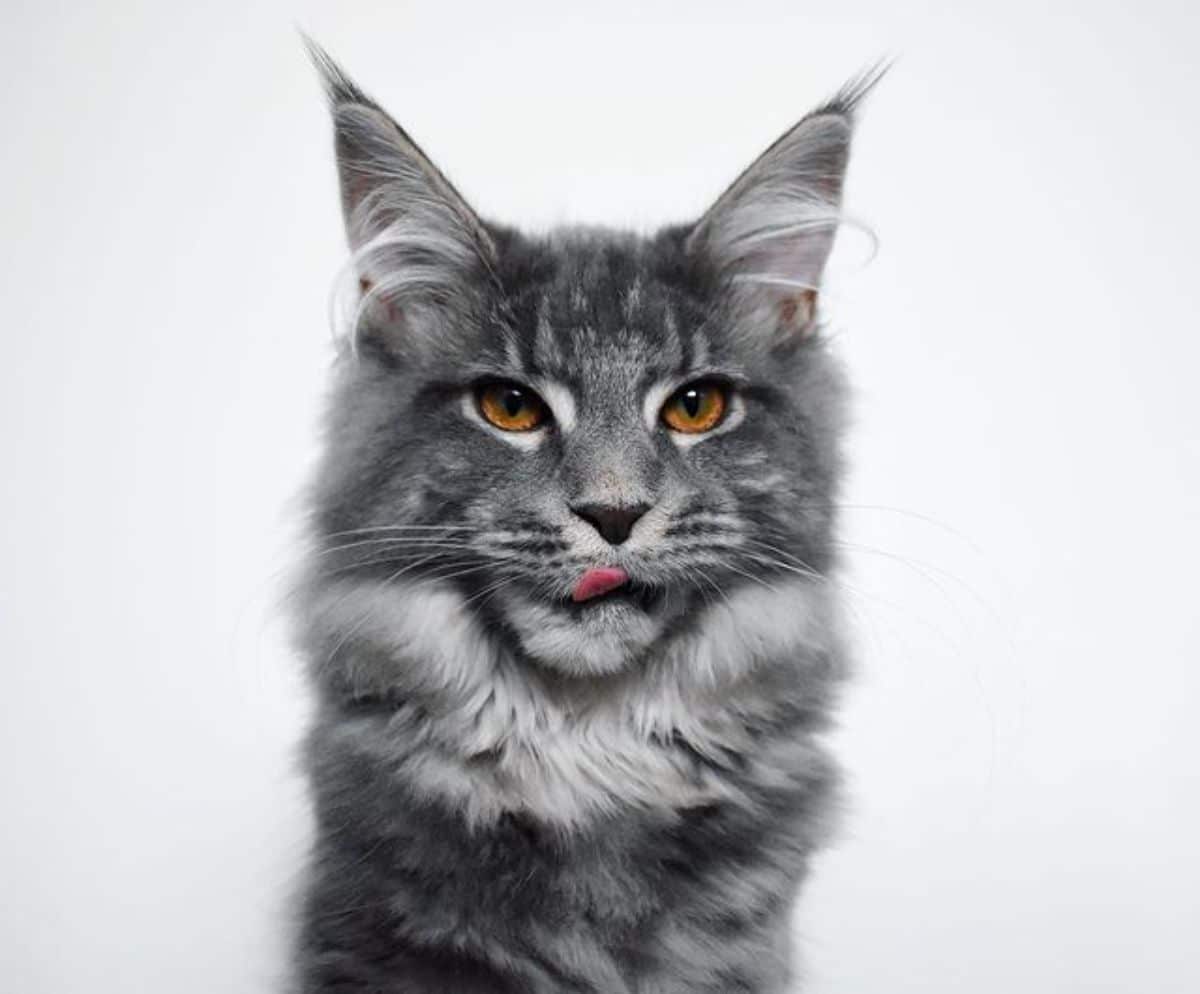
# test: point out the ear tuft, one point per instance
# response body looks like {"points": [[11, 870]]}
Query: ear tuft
{"points": [[339, 88], [847, 101]]}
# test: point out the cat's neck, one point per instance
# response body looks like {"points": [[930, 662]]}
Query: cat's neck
{"points": [[471, 723]]}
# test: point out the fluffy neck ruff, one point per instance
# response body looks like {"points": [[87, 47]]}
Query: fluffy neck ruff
{"points": [[409, 677]]}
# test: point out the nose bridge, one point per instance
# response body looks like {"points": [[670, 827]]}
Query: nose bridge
{"points": [[611, 460]]}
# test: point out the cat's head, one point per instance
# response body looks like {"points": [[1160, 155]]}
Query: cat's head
{"points": [[528, 420]]}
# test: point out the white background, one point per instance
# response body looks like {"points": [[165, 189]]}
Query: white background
{"points": [[1021, 743]]}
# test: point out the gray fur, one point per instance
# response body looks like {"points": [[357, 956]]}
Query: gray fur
{"points": [[514, 793]]}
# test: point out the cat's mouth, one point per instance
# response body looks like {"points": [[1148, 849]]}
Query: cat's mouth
{"points": [[598, 581], [638, 596], [600, 628], [609, 587]]}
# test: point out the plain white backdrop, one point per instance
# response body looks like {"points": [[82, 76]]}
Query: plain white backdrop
{"points": [[1024, 507]]}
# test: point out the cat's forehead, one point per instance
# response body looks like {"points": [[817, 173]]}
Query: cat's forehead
{"points": [[601, 309]]}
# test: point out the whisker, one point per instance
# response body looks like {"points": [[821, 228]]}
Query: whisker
{"points": [[398, 542], [749, 576], [385, 557], [399, 528], [798, 563], [902, 512], [716, 586], [922, 569]]}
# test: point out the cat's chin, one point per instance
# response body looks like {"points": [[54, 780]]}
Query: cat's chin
{"points": [[584, 640]]}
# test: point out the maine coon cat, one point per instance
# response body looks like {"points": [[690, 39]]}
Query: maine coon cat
{"points": [[568, 616]]}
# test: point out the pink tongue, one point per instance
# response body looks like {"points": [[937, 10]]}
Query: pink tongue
{"points": [[598, 580]]}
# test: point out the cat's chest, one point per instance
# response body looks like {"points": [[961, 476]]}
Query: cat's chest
{"points": [[584, 772], [610, 882], [644, 901], [564, 771]]}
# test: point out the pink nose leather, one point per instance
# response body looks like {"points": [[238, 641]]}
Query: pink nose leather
{"points": [[597, 581]]}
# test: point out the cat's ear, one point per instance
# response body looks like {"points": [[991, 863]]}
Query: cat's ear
{"points": [[770, 233], [417, 246]]}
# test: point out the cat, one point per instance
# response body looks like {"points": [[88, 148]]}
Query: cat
{"points": [[568, 615]]}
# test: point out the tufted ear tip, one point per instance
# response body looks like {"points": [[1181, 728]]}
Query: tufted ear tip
{"points": [[848, 100], [339, 88]]}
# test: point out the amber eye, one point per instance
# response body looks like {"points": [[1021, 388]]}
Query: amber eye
{"points": [[696, 407], [510, 407]]}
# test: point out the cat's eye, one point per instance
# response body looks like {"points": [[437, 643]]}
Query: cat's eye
{"points": [[696, 407], [510, 406]]}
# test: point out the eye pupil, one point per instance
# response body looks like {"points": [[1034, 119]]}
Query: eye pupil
{"points": [[691, 402], [514, 402]]}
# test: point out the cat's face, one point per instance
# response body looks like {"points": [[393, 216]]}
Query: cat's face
{"points": [[533, 421]]}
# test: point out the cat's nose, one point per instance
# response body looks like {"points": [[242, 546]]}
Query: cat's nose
{"points": [[614, 523]]}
